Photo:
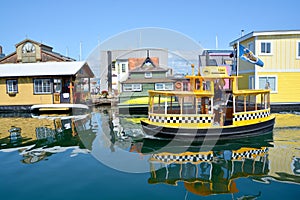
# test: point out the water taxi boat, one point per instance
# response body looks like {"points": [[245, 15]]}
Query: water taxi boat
{"points": [[213, 108]]}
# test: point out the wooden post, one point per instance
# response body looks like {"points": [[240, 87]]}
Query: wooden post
{"points": [[212, 105], [245, 103], [233, 103], [196, 105], [261, 101], [269, 100], [255, 103], [166, 105], [71, 90], [181, 105], [152, 100]]}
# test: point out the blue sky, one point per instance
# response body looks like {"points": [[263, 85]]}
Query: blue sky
{"points": [[63, 24]]}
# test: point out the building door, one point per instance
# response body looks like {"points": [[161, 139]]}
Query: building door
{"points": [[57, 86]]}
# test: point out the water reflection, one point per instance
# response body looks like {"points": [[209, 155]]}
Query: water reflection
{"points": [[117, 141], [208, 172], [205, 168], [37, 138]]}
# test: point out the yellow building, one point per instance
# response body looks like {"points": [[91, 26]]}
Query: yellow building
{"points": [[35, 74], [280, 52], [25, 84]]}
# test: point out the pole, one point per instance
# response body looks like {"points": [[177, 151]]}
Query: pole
{"points": [[109, 74], [237, 57], [237, 62]]}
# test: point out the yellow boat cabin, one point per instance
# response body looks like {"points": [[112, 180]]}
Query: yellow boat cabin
{"points": [[213, 108]]}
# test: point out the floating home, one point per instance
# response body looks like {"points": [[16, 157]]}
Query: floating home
{"points": [[148, 76], [280, 52], [23, 85]]}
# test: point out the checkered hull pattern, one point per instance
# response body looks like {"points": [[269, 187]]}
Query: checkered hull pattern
{"points": [[173, 158], [248, 154], [251, 116], [180, 119]]}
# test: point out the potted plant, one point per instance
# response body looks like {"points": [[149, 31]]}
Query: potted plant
{"points": [[104, 93], [12, 94]]}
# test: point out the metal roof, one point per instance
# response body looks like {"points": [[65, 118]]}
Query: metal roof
{"points": [[262, 33], [40, 69]]}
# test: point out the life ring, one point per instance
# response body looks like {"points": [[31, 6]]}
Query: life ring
{"points": [[178, 85]]}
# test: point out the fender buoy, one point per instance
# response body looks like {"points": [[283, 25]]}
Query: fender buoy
{"points": [[178, 85]]}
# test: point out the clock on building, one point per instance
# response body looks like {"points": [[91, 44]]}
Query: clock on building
{"points": [[28, 47]]}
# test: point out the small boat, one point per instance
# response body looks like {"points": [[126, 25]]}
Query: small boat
{"points": [[59, 108], [212, 109]]}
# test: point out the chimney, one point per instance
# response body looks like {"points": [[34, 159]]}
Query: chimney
{"points": [[2, 55]]}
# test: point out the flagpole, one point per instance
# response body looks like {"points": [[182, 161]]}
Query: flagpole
{"points": [[237, 57], [237, 63]]}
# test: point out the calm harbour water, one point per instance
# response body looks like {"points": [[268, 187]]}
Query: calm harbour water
{"points": [[95, 157]]}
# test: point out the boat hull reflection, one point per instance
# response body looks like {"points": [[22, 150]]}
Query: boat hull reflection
{"points": [[207, 169]]}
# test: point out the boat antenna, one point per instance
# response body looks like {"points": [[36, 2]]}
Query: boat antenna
{"points": [[193, 69]]}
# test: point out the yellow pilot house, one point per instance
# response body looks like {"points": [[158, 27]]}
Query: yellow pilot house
{"points": [[280, 52]]}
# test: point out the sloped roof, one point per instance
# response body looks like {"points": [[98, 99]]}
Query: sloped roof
{"points": [[41, 69], [32, 41], [148, 66], [45, 49], [264, 33], [148, 80]]}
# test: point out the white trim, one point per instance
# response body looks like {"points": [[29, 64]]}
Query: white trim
{"points": [[250, 83], [42, 83], [264, 33], [10, 86], [259, 48], [288, 32], [269, 76], [164, 86], [148, 74], [297, 49], [246, 71], [40, 69], [132, 88], [278, 70]]}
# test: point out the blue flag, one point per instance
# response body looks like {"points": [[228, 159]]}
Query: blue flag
{"points": [[247, 55]]}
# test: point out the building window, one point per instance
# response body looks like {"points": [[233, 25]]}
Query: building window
{"points": [[251, 82], [148, 74], [185, 86], [298, 50], [113, 66], [250, 46], [123, 68], [163, 86], [42, 86], [132, 87], [265, 48], [12, 86], [268, 82], [57, 85]]}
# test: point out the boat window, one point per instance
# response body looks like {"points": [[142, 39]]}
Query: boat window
{"points": [[253, 102]]}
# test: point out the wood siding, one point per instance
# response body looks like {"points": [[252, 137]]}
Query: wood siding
{"points": [[25, 95]]}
